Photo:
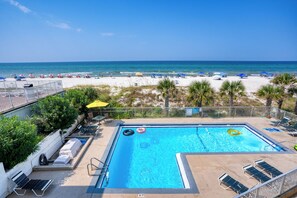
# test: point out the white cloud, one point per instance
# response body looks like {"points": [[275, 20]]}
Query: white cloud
{"points": [[107, 34], [21, 7], [60, 25]]}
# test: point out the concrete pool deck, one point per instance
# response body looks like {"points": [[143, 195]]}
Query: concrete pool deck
{"points": [[205, 168]]}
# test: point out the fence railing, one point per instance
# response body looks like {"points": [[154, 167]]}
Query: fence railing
{"points": [[213, 112], [274, 187], [14, 94]]}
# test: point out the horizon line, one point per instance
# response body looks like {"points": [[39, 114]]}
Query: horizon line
{"points": [[92, 61]]}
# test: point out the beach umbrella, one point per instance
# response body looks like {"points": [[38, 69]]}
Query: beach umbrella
{"points": [[242, 75], [201, 73], [97, 104], [217, 77], [158, 75], [217, 73], [139, 74], [263, 73], [182, 75], [223, 74]]}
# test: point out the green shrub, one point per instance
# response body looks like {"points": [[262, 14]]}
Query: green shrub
{"points": [[90, 93], [52, 113], [78, 100], [157, 112], [177, 112], [18, 140]]}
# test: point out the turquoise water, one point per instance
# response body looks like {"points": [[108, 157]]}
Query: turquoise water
{"points": [[123, 68], [149, 160]]}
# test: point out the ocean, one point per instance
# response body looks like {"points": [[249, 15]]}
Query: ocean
{"points": [[122, 68]]}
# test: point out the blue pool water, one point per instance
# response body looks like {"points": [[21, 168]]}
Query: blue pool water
{"points": [[83, 140], [148, 160]]}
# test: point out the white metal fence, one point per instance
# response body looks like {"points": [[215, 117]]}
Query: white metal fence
{"points": [[274, 187], [14, 94]]}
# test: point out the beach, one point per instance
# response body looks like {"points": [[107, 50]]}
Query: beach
{"points": [[252, 83]]}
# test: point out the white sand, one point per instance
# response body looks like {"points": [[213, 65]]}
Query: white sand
{"points": [[251, 83]]}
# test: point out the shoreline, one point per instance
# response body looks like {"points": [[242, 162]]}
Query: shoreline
{"points": [[252, 83], [147, 68]]}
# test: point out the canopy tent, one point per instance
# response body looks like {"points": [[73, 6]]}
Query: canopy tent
{"points": [[96, 104]]}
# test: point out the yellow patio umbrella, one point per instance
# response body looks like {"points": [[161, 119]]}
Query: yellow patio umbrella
{"points": [[97, 103]]}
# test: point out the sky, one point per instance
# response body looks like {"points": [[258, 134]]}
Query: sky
{"points": [[126, 30]]}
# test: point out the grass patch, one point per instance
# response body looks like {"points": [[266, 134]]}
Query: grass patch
{"points": [[289, 104]]}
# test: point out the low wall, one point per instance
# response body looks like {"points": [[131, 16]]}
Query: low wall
{"points": [[22, 113], [3, 181], [48, 146]]}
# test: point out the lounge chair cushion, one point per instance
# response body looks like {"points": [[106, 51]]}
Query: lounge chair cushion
{"points": [[62, 160], [71, 148]]}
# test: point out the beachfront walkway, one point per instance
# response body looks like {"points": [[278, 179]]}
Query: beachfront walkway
{"points": [[205, 168]]}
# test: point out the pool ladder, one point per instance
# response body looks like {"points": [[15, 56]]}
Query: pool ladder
{"points": [[92, 167]]}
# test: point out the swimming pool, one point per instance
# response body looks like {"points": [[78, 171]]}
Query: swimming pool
{"points": [[151, 160]]}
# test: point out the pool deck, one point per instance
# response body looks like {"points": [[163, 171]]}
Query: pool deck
{"points": [[206, 168]]}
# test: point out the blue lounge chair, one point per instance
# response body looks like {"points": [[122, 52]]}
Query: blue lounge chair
{"points": [[24, 183], [292, 127], [255, 173], [283, 122], [84, 130], [232, 184], [267, 168], [292, 132]]}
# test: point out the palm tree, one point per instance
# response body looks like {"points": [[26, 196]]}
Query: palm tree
{"points": [[280, 94], [200, 91], [293, 91], [284, 81], [270, 92], [167, 88], [232, 90]]}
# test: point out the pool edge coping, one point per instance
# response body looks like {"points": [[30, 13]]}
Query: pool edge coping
{"points": [[193, 186]]}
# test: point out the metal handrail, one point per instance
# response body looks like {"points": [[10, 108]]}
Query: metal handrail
{"points": [[94, 158], [17, 95], [92, 165], [97, 168], [284, 178], [206, 111]]}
